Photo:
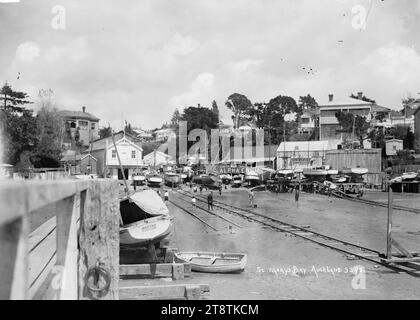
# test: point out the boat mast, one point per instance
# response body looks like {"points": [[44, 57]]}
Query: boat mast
{"points": [[121, 167]]}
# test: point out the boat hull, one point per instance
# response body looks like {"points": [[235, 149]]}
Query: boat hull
{"points": [[141, 233], [213, 262]]}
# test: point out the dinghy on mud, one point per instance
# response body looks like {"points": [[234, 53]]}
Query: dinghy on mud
{"points": [[213, 262]]}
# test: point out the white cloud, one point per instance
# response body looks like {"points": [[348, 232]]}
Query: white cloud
{"points": [[27, 52], [180, 45], [200, 91], [395, 62], [245, 65]]}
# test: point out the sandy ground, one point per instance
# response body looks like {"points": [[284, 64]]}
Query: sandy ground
{"points": [[285, 267]]}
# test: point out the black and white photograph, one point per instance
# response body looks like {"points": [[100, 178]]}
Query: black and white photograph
{"points": [[235, 151]]}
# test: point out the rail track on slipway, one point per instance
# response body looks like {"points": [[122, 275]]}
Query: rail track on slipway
{"points": [[345, 247], [342, 195]]}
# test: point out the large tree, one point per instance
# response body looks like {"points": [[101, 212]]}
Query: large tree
{"points": [[363, 98], [176, 116], [105, 132], [17, 124], [307, 102], [215, 109], [13, 100], [199, 118], [50, 133], [240, 105]]}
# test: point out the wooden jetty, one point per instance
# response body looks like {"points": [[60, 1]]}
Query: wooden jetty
{"points": [[74, 254]]}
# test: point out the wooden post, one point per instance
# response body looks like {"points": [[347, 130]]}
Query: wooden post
{"points": [[389, 226], [99, 242]]}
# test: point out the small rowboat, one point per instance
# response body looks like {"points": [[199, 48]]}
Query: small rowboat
{"points": [[143, 232], [213, 262]]}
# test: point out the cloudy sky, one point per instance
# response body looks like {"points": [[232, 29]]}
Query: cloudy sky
{"points": [[139, 60]]}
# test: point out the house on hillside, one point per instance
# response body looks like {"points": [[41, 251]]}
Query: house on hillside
{"points": [[308, 121], [329, 125], [83, 122], [129, 150]]}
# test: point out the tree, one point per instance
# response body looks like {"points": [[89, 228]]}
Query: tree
{"points": [[50, 133], [271, 116], [13, 100], [240, 105], [105, 132], [351, 124], [307, 102], [199, 118], [363, 98], [215, 109], [18, 124], [128, 130], [19, 132], [409, 141], [175, 119]]}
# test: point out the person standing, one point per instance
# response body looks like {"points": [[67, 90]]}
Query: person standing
{"points": [[210, 201], [193, 201], [297, 196], [166, 195], [220, 190], [251, 198]]}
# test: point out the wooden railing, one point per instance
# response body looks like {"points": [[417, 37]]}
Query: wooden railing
{"points": [[54, 235]]}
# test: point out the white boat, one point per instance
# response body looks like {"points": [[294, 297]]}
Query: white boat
{"points": [[409, 175], [332, 172], [149, 201], [360, 171], [213, 262], [139, 178], [315, 172], [143, 232], [252, 176]]}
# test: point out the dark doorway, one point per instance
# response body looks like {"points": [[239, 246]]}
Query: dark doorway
{"points": [[120, 176]]}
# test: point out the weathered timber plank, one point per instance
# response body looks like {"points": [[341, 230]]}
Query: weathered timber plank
{"points": [[164, 292], [67, 251], [154, 270], [99, 241], [20, 197], [14, 261]]}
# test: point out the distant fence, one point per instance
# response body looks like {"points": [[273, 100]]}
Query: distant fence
{"points": [[45, 175], [54, 261]]}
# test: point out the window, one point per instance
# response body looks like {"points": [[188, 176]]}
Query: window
{"points": [[316, 153], [305, 120], [133, 154], [92, 126], [296, 148], [83, 125], [73, 125], [394, 147], [114, 153]]}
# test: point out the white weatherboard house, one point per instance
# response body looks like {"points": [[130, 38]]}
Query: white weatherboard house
{"points": [[130, 155], [392, 146], [304, 154]]}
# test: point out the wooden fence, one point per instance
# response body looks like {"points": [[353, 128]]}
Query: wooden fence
{"points": [[62, 255]]}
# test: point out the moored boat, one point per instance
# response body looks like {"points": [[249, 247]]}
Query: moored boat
{"points": [[213, 262], [172, 179]]}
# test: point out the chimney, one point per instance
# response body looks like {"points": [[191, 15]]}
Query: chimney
{"points": [[330, 97], [84, 109], [360, 95]]}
